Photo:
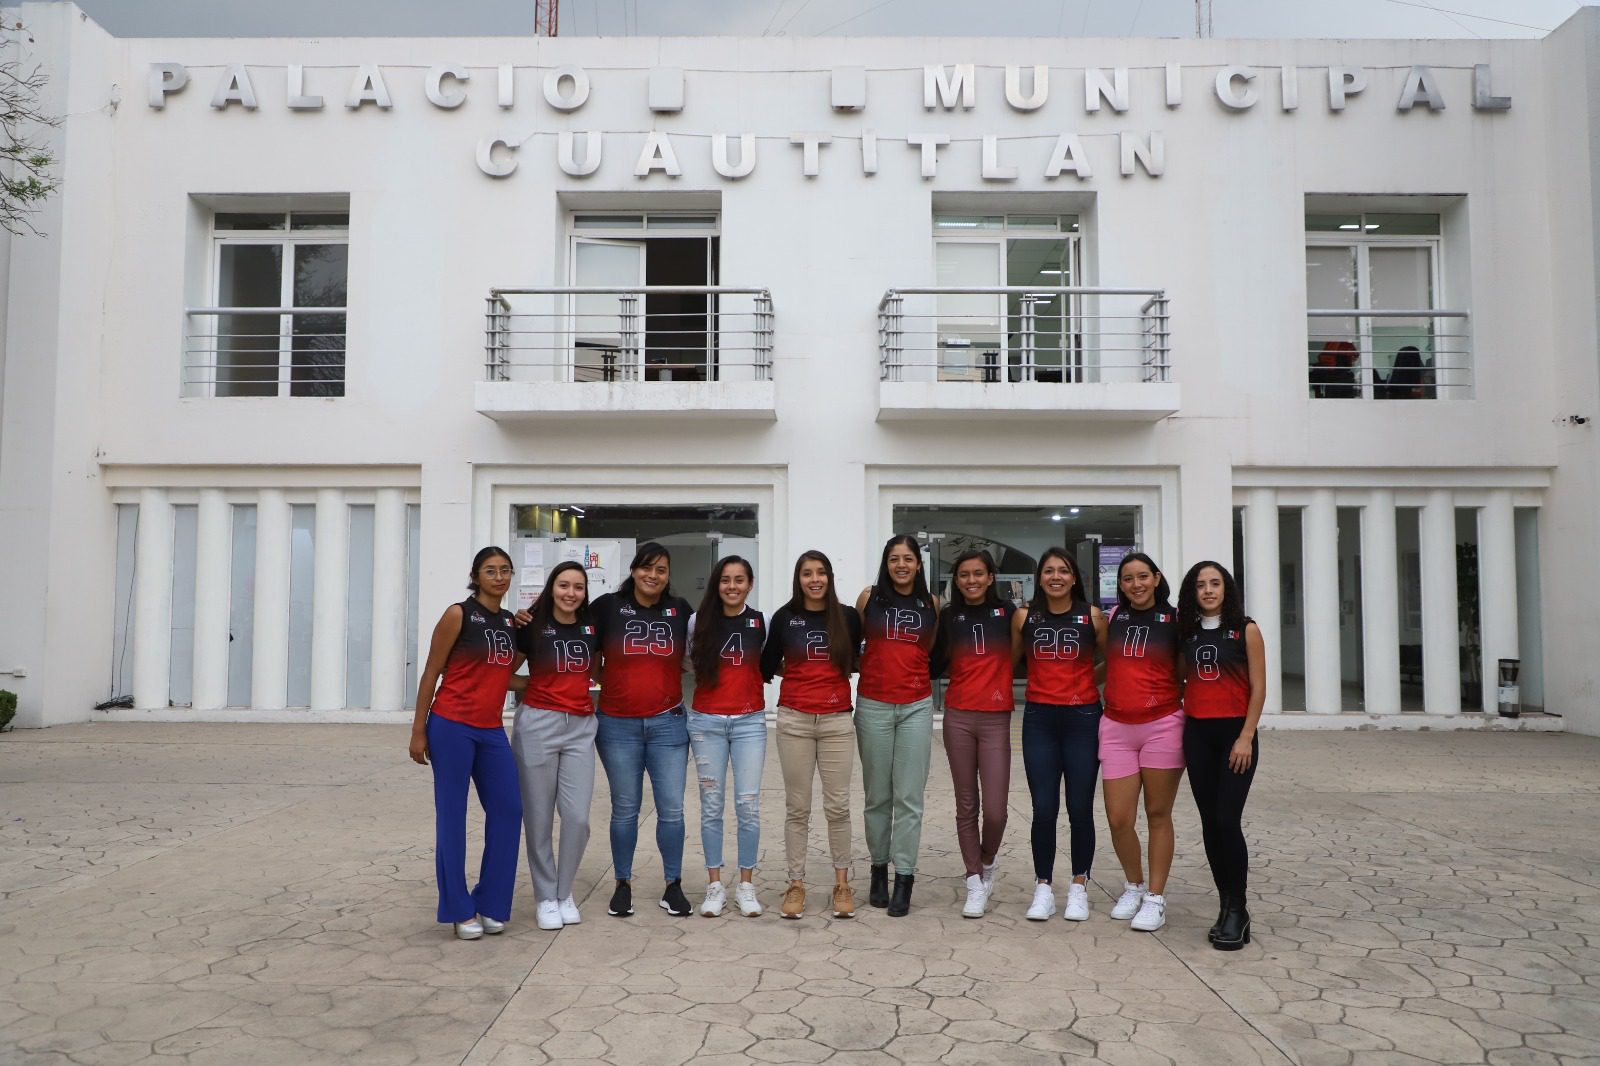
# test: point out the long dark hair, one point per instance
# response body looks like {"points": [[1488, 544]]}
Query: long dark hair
{"points": [[884, 586], [544, 608], [1189, 600], [840, 649], [648, 553], [483, 556], [991, 597], [1077, 597], [711, 624], [1163, 590]]}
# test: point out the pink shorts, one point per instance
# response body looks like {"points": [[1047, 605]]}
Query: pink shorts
{"points": [[1126, 749]]}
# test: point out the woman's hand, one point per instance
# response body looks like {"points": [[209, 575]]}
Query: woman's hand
{"points": [[419, 747], [522, 617], [1240, 755]]}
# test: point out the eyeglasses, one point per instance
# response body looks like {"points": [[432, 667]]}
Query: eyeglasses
{"points": [[496, 571]]}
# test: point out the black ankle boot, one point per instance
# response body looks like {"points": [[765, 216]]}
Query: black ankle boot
{"points": [[878, 893], [1222, 911], [901, 902], [1233, 932]]}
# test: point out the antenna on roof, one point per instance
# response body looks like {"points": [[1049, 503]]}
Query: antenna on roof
{"points": [[544, 17]]}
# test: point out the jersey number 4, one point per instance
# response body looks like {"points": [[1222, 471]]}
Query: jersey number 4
{"points": [[647, 638], [732, 652]]}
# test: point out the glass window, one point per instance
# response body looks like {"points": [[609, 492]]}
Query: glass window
{"points": [[1383, 270], [287, 265], [969, 222]]}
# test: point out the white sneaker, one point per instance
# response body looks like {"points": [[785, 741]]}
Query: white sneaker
{"points": [[1044, 903], [1127, 904], [569, 912], [471, 929], [745, 897], [549, 914], [988, 876], [716, 899], [490, 926], [977, 897], [1077, 909], [1152, 914]]}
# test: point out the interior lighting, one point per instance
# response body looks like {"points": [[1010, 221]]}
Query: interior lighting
{"points": [[1349, 225], [1074, 510], [1055, 518]]}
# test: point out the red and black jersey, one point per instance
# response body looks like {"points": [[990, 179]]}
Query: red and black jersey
{"points": [[478, 671], [1217, 684], [561, 660], [899, 637], [738, 688], [797, 647], [974, 650], [1060, 650], [1141, 664], [642, 651]]}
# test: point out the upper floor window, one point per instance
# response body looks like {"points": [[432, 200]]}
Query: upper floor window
{"points": [[668, 328], [1377, 327], [1034, 332], [276, 322]]}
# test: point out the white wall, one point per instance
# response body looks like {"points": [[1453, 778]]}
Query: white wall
{"points": [[1221, 231]]}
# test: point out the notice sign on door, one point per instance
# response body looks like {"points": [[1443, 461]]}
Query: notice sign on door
{"points": [[602, 561], [1110, 557]]}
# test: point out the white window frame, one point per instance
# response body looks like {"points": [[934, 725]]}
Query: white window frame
{"points": [[1363, 241], [652, 225], [288, 239], [999, 236]]}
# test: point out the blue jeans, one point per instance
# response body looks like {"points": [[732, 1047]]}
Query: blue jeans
{"points": [[628, 748], [462, 754], [1061, 745], [718, 739]]}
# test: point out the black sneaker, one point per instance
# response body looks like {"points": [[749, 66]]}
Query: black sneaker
{"points": [[621, 901], [674, 902]]}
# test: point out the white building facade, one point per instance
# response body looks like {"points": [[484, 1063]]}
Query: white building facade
{"points": [[314, 320]]}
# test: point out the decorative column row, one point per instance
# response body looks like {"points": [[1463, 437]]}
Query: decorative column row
{"points": [[152, 601], [1320, 538], [1380, 604], [389, 601], [1441, 618], [1497, 588], [329, 599], [212, 577], [1263, 601]]}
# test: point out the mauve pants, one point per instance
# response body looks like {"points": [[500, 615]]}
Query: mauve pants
{"points": [[978, 744]]}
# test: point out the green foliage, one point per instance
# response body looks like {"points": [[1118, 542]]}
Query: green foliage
{"points": [[8, 708], [26, 162]]}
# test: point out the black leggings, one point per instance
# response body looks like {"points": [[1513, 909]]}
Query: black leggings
{"points": [[1220, 794]]}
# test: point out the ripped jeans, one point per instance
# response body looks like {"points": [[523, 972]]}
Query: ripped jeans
{"points": [[717, 739]]}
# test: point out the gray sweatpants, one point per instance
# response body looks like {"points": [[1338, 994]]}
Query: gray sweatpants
{"points": [[555, 766]]}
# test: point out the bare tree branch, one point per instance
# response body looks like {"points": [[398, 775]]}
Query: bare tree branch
{"points": [[26, 162]]}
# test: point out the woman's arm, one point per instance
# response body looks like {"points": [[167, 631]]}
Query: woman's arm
{"points": [[1255, 650], [519, 682], [861, 600], [1019, 618], [1097, 618], [444, 638], [772, 650]]}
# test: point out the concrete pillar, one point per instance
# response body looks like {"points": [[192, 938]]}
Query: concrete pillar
{"points": [[1262, 599], [1497, 588], [1320, 536], [389, 600], [213, 569], [152, 601], [269, 669], [1441, 626], [1380, 604], [328, 601]]}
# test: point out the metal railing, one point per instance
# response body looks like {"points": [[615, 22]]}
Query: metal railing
{"points": [[1388, 355], [264, 351], [648, 333], [1035, 333]]}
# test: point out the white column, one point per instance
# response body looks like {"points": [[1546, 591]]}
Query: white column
{"points": [[388, 600], [328, 601], [152, 598], [269, 670], [213, 568], [1262, 600], [1497, 588], [1380, 604], [1441, 625], [1320, 536]]}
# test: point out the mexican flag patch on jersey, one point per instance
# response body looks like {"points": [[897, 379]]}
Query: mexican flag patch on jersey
{"points": [[752, 623], [669, 612]]}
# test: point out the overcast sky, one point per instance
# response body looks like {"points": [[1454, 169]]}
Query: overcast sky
{"points": [[958, 18]]}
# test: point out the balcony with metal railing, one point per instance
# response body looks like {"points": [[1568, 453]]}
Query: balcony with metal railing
{"points": [[263, 351], [1388, 354], [1034, 351], [655, 349]]}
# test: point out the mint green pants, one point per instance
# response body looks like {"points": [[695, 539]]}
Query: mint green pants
{"points": [[895, 741]]}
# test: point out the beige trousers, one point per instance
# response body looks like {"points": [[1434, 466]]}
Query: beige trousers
{"points": [[815, 745]]}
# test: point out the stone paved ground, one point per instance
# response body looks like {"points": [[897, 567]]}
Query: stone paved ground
{"points": [[263, 894]]}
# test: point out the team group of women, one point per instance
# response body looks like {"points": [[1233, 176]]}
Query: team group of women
{"points": [[1183, 687]]}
